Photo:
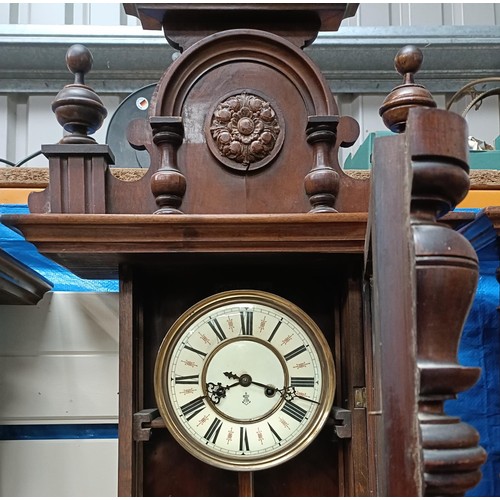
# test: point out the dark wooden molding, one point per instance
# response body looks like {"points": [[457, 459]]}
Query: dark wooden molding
{"points": [[184, 25], [94, 245], [218, 227], [19, 284]]}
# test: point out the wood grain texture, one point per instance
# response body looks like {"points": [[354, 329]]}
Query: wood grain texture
{"points": [[94, 245], [393, 320], [446, 267]]}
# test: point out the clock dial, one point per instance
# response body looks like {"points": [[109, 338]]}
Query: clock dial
{"points": [[244, 380]]}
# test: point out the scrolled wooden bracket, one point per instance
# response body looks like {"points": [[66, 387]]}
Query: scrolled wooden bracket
{"points": [[168, 184], [447, 272], [322, 182]]}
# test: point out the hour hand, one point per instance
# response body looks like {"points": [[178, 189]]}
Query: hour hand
{"points": [[245, 380]]}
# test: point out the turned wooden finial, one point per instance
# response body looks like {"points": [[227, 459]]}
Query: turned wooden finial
{"points": [[394, 110], [77, 107]]}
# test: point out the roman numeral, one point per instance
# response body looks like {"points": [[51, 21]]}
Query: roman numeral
{"points": [[294, 411], [244, 439], [275, 330], [246, 322], [188, 379], [214, 324], [192, 349], [295, 352], [275, 434], [302, 381], [191, 409], [213, 431]]}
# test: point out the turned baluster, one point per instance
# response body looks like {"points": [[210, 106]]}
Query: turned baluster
{"points": [[168, 184], [322, 182], [446, 273]]}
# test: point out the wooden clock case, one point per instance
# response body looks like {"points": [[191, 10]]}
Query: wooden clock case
{"points": [[245, 190]]}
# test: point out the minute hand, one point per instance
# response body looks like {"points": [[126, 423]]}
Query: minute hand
{"points": [[289, 393]]}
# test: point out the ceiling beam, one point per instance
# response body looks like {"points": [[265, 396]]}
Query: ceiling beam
{"points": [[354, 60]]}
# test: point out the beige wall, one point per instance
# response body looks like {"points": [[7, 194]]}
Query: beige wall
{"points": [[59, 365]]}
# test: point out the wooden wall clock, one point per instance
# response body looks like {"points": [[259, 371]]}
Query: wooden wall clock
{"points": [[277, 336]]}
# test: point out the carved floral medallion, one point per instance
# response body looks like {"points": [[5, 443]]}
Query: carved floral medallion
{"points": [[245, 132]]}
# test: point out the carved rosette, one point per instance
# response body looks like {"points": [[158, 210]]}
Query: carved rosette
{"points": [[245, 132]]}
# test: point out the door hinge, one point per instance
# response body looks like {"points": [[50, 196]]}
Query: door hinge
{"points": [[360, 397]]}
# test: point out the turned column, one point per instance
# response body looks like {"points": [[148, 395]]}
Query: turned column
{"points": [[322, 182], [446, 273], [168, 184]]}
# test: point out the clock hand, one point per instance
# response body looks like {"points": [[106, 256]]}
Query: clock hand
{"points": [[307, 399], [245, 380], [217, 391], [289, 393]]}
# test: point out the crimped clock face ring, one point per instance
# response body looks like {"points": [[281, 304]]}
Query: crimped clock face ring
{"points": [[244, 380]]}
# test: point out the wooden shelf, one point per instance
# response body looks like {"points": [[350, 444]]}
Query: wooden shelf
{"points": [[93, 246]]}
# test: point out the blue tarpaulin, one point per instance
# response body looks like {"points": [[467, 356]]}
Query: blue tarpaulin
{"points": [[480, 346], [63, 280]]}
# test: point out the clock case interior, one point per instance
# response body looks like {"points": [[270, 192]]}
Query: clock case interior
{"points": [[329, 289]]}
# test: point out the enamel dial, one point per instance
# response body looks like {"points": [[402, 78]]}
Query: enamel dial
{"points": [[244, 380]]}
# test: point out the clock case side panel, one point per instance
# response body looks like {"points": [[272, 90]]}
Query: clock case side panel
{"points": [[390, 302], [131, 356], [317, 284], [353, 355]]}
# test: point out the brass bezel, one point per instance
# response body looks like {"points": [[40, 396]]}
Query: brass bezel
{"points": [[243, 462]]}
